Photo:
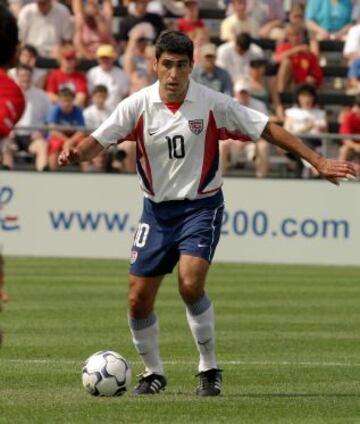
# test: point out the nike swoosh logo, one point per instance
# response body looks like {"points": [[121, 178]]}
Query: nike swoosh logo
{"points": [[152, 132]]}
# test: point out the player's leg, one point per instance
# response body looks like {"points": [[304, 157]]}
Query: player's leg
{"points": [[201, 320], [144, 328]]}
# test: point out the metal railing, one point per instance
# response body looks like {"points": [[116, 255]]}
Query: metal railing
{"points": [[326, 138]]}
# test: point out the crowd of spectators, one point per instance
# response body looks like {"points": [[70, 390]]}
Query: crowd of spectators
{"points": [[101, 60]]}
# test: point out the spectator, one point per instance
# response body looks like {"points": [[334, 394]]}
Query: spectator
{"points": [[138, 14], [328, 19], [45, 24], [296, 18], [93, 27], [66, 113], [114, 79], [239, 21], [306, 118], [97, 112], [235, 56], [94, 116], [350, 124], [35, 114], [269, 15], [211, 75], [296, 63], [190, 23], [264, 89], [67, 76], [140, 68], [352, 44], [134, 58], [230, 150], [28, 56]]}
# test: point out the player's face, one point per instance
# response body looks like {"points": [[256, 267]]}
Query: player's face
{"points": [[173, 71]]}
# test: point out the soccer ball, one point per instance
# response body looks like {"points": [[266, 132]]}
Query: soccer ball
{"points": [[106, 373]]}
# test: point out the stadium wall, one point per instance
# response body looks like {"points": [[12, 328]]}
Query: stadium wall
{"points": [[95, 216]]}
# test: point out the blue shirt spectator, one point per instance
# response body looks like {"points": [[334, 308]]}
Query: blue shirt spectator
{"points": [[330, 16], [75, 117]]}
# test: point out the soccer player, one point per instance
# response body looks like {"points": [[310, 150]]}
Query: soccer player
{"points": [[12, 100], [177, 124]]}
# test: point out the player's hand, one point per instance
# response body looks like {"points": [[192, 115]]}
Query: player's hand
{"points": [[333, 170], [68, 156]]}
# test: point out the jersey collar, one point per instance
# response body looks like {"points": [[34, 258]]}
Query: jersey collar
{"points": [[190, 95]]}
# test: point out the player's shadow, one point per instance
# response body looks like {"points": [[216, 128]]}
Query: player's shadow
{"points": [[268, 395], [292, 395]]}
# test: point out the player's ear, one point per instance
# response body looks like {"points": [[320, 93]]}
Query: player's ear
{"points": [[155, 65]]}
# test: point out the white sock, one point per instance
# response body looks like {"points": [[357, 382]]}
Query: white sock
{"points": [[201, 319], [145, 334]]}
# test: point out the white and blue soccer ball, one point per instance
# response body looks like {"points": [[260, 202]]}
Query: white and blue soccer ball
{"points": [[106, 373]]}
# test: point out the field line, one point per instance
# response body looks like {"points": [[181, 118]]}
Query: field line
{"points": [[221, 363]]}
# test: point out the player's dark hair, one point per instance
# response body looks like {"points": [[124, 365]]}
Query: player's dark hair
{"points": [[174, 42], [31, 49], [66, 92], [9, 36], [306, 89], [100, 88], [243, 40]]}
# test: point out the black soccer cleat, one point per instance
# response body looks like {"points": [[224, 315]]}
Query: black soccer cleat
{"points": [[210, 382], [150, 385]]}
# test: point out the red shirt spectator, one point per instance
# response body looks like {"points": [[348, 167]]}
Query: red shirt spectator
{"points": [[12, 104], [304, 64], [351, 124], [67, 76], [190, 23], [187, 26]]}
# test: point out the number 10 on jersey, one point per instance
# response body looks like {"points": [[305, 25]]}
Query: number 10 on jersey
{"points": [[176, 146]]}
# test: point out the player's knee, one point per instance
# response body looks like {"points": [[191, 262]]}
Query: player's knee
{"points": [[190, 291]]}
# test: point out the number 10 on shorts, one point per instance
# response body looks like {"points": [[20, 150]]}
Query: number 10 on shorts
{"points": [[141, 234]]}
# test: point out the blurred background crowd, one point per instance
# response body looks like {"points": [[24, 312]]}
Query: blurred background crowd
{"points": [[296, 61]]}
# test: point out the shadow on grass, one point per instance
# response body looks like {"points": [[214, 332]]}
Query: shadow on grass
{"points": [[224, 396]]}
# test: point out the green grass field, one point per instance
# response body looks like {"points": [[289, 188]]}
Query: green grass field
{"points": [[288, 339]]}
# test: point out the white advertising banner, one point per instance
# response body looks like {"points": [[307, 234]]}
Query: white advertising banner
{"points": [[265, 221]]}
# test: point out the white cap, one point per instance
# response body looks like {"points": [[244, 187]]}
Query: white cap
{"points": [[242, 84]]}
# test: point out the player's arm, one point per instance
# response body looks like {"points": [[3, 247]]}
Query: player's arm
{"points": [[328, 168], [85, 151]]}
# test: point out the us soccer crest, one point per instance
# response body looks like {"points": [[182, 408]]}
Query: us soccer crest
{"points": [[196, 126]]}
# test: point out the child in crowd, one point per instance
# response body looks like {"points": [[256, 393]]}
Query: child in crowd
{"points": [[66, 113], [94, 116]]}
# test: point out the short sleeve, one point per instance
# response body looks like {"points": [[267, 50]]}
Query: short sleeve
{"points": [[239, 122], [119, 124]]}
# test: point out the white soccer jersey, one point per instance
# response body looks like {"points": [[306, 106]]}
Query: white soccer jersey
{"points": [[178, 153]]}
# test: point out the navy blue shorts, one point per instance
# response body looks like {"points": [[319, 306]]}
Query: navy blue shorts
{"points": [[170, 229]]}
